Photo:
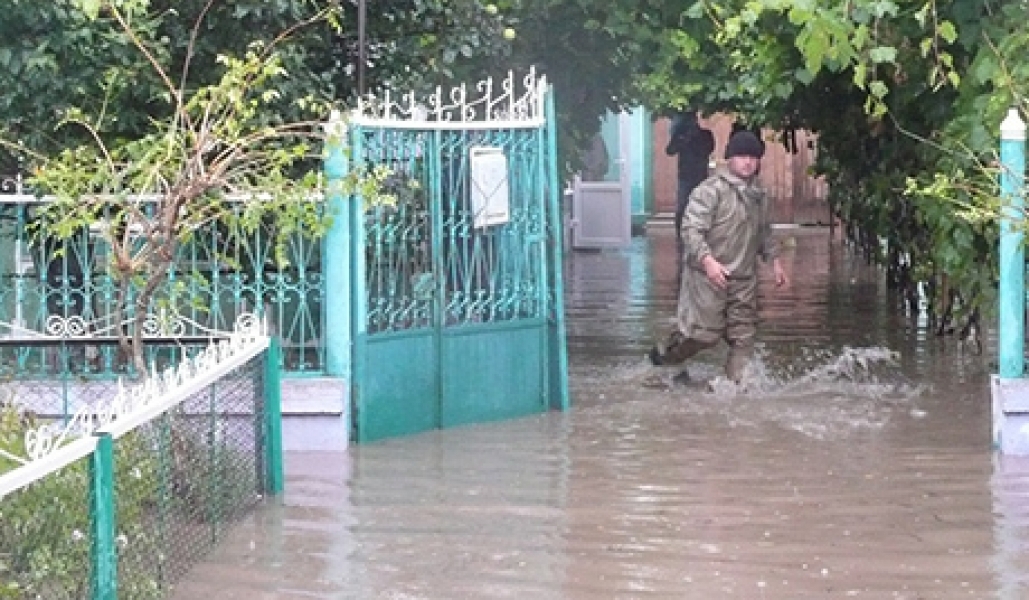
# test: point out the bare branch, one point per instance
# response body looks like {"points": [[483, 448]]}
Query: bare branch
{"points": [[138, 43], [191, 46]]}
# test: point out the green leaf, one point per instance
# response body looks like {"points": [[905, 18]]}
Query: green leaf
{"points": [[948, 32], [922, 15], [884, 8], [798, 16], [861, 36], [985, 68], [860, 75], [926, 46], [90, 7], [878, 89], [883, 54], [813, 48]]}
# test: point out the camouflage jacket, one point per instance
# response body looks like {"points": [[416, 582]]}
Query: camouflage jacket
{"points": [[728, 218]]}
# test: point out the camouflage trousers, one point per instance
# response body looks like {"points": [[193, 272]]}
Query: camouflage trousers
{"points": [[707, 315]]}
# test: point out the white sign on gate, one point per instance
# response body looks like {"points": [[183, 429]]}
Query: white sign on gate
{"points": [[489, 193]]}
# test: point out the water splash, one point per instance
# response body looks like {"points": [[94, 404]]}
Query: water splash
{"points": [[870, 372], [824, 394], [820, 393]]}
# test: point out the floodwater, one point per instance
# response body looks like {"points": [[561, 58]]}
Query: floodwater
{"points": [[857, 464]]}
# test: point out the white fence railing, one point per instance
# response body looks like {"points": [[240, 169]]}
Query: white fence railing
{"points": [[187, 460]]}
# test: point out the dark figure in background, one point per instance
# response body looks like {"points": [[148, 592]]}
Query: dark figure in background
{"points": [[693, 144], [595, 162]]}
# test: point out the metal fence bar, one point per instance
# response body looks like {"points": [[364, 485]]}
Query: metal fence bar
{"points": [[103, 519], [274, 480], [557, 277]]}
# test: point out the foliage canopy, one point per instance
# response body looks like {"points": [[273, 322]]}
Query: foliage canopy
{"points": [[906, 95]]}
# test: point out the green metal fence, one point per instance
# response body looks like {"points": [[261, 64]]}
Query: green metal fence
{"points": [[216, 278], [147, 481]]}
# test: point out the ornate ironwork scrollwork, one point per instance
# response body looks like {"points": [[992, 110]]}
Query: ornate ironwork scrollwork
{"points": [[517, 103]]}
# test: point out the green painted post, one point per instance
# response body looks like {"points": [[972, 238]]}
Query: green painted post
{"points": [[336, 253], [547, 249], [274, 479], [1011, 332], [556, 190], [354, 308], [105, 559], [19, 282], [438, 203]]}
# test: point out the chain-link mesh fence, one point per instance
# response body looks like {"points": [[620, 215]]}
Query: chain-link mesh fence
{"points": [[180, 481], [192, 473]]}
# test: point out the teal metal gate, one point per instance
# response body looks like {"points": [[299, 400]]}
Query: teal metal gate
{"points": [[456, 312]]}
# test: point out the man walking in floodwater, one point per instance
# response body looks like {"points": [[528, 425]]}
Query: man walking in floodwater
{"points": [[725, 229]]}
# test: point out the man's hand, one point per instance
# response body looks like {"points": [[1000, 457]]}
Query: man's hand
{"points": [[781, 279], [716, 272]]}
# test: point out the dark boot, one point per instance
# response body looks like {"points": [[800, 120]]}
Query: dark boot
{"points": [[683, 349], [656, 357], [667, 352], [740, 354], [675, 350]]}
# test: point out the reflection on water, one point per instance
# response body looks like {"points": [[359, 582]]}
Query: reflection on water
{"points": [[855, 464]]}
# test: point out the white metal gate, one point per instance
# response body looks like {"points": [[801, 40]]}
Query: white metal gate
{"points": [[602, 210]]}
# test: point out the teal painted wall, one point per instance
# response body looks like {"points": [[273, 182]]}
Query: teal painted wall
{"points": [[609, 130], [641, 164], [628, 135]]}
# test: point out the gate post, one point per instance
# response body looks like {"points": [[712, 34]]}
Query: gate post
{"points": [[1012, 253], [336, 253], [559, 339], [1010, 389], [103, 521]]}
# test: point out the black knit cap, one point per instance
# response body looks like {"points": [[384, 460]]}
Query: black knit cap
{"points": [[744, 143]]}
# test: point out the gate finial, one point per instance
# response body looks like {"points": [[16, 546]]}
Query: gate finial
{"points": [[518, 103]]}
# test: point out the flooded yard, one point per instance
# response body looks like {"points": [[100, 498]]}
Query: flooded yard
{"points": [[857, 464]]}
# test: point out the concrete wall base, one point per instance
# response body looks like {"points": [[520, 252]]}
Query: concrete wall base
{"points": [[1010, 415]]}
